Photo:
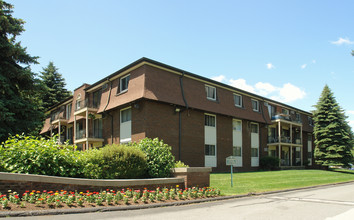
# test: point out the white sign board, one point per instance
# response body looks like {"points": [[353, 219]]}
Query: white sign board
{"points": [[231, 161]]}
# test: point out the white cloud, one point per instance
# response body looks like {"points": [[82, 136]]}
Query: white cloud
{"points": [[270, 66], [341, 41], [241, 84], [303, 66], [287, 93], [313, 61], [351, 123], [220, 78], [350, 112], [264, 88]]}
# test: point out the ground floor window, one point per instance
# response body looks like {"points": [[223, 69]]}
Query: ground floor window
{"points": [[209, 150], [236, 151], [254, 152]]}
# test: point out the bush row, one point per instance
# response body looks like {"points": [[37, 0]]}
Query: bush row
{"points": [[24, 154]]}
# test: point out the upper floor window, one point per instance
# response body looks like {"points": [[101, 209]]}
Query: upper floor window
{"points": [[97, 98], [255, 105], [271, 110], [68, 111], [78, 104], [210, 92], [238, 100], [123, 83], [209, 120], [298, 118], [310, 121], [285, 111]]}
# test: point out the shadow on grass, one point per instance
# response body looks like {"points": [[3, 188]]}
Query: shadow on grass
{"points": [[342, 171]]}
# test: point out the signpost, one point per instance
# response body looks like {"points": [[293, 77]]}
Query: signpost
{"points": [[231, 161]]}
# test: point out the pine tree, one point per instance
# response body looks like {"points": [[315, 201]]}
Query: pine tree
{"points": [[19, 103], [332, 138], [54, 86]]}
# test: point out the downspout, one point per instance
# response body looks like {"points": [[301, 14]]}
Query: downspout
{"points": [[179, 116], [109, 98]]}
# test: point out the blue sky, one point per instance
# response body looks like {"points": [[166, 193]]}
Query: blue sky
{"points": [[286, 50]]}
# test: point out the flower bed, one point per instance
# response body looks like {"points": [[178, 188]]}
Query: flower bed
{"points": [[37, 200]]}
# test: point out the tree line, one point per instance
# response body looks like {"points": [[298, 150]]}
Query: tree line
{"points": [[24, 95]]}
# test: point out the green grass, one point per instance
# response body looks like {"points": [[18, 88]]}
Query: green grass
{"points": [[255, 182]]}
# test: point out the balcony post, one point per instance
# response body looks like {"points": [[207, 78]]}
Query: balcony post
{"points": [[87, 129], [291, 133], [59, 131], [279, 132], [279, 152], [74, 129], [291, 155]]}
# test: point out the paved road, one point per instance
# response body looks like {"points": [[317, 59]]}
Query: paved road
{"points": [[332, 203]]}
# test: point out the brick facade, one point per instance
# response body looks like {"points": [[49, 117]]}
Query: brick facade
{"points": [[163, 98]]}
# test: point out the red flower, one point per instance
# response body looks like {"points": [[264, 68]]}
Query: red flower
{"points": [[16, 196]]}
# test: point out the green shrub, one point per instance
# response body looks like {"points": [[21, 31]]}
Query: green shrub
{"points": [[26, 154], [269, 163], [159, 158], [180, 164], [115, 161]]}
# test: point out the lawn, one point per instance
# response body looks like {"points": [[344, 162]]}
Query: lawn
{"points": [[255, 182]]}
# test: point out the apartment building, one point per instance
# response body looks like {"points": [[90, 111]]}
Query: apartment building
{"points": [[203, 120]]}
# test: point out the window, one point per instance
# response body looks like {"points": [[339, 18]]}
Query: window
{"points": [[310, 121], [255, 105], [237, 125], [123, 83], [209, 150], [236, 151], [238, 100], [78, 104], [126, 115], [298, 118], [97, 98], [97, 128], [210, 92], [254, 152], [271, 110], [209, 120], [285, 111], [309, 137], [254, 128], [68, 111]]}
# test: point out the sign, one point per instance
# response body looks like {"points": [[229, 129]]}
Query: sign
{"points": [[231, 161]]}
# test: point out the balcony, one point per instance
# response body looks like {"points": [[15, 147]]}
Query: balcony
{"points": [[286, 118], [81, 138], [83, 107]]}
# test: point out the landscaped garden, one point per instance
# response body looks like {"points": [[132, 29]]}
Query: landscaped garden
{"points": [[37, 200], [263, 181]]}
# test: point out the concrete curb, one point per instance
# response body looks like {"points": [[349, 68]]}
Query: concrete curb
{"points": [[154, 205]]}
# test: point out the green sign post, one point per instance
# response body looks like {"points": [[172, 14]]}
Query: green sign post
{"points": [[231, 161]]}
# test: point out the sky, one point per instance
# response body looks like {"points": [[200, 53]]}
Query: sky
{"points": [[284, 50]]}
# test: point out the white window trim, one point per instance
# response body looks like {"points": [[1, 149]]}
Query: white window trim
{"points": [[209, 98], [120, 84], [240, 100], [256, 110], [252, 123]]}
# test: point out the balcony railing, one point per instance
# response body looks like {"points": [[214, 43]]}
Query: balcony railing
{"points": [[80, 134], [57, 115], [287, 118], [283, 139], [86, 103]]}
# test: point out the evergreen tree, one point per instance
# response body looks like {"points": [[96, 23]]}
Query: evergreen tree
{"points": [[54, 86], [19, 103], [332, 138]]}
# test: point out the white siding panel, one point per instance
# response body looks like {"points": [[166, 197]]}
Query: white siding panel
{"points": [[125, 132], [210, 135]]}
